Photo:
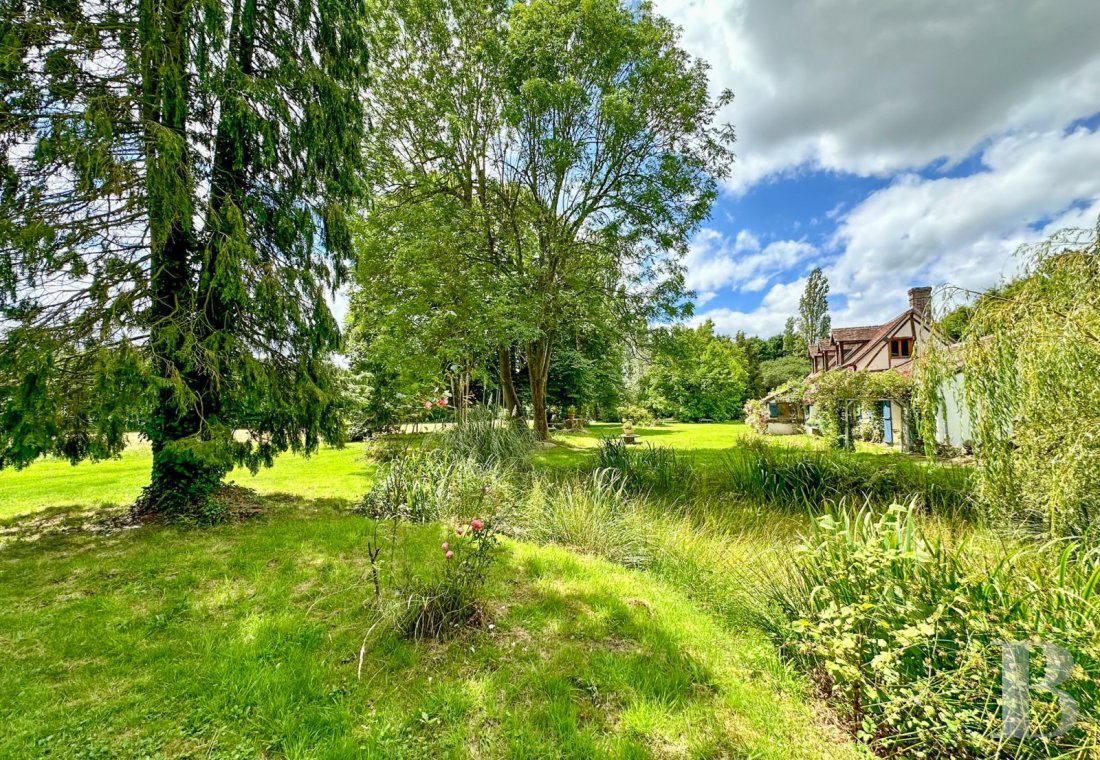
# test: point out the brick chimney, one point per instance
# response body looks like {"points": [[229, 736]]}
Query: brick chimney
{"points": [[920, 301]]}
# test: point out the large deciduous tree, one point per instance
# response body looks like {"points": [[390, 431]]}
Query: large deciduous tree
{"points": [[694, 374], [618, 153], [575, 147], [175, 177], [1028, 360]]}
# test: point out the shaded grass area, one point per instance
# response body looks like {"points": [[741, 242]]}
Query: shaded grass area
{"points": [[329, 473], [242, 641]]}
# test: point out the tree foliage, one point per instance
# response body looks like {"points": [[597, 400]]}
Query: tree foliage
{"points": [[813, 309], [174, 186], [1029, 359], [694, 374], [552, 156], [777, 372]]}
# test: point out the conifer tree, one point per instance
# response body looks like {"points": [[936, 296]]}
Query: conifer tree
{"points": [[175, 177]]}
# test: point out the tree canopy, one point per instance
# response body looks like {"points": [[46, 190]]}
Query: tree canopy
{"points": [[553, 157], [813, 309], [175, 183], [694, 374], [1028, 359]]}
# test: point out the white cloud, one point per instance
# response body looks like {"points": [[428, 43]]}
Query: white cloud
{"points": [[959, 231], [878, 87], [885, 89], [779, 303], [963, 231], [715, 262]]}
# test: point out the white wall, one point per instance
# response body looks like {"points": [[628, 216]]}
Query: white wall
{"points": [[953, 422]]}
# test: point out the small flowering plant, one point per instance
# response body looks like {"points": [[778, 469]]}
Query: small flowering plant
{"points": [[470, 554]]}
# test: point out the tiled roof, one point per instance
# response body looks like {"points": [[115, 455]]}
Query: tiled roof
{"points": [[855, 333]]}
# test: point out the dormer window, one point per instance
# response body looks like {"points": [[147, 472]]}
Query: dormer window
{"points": [[901, 348]]}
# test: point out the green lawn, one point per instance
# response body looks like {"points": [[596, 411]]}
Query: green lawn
{"points": [[706, 442], [242, 641], [329, 473]]}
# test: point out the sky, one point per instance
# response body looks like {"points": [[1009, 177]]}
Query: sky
{"points": [[893, 143]]}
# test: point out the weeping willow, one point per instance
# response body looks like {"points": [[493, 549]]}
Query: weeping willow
{"points": [[174, 180], [1031, 377]]}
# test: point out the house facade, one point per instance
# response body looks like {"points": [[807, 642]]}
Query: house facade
{"points": [[873, 348], [892, 345]]}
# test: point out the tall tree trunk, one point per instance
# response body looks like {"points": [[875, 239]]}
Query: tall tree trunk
{"points": [[508, 386], [538, 370], [182, 477]]}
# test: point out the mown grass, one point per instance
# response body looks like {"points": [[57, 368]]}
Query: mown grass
{"points": [[706, 443], [242, 641], [329, 473]]}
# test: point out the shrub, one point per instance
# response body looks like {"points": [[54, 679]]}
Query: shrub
{"points": [[487, 440], [648, 468], [426, 485], [757, 415], [639, 415], [439, 608], [903, 634], [386, 448], [593, 515], [793, 477]]}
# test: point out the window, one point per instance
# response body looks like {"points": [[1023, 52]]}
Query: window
{"points": [[901, 348]]}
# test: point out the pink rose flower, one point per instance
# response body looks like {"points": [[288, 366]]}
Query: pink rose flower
{"points": [[460, 530], [477, 525], [445, 546], [441, 403], [427, 404], [449, 555]]}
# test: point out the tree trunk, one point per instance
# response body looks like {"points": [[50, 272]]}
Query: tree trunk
{"points": [[508, 387], [538, 370], [182, 475]]}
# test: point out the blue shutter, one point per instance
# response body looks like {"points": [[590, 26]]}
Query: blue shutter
{"points": [[773, 409]]}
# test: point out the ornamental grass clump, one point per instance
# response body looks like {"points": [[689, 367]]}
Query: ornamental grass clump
{"points": [[652, 469], [797, 478], [903, 634], [595, 514], [425, 485], [488, 441]]}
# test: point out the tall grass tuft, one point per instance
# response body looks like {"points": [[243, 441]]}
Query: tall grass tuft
{"points": [[595, 515], [659, 470], [904, 632], [488, 440], [429, 484], [804, 479]]}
